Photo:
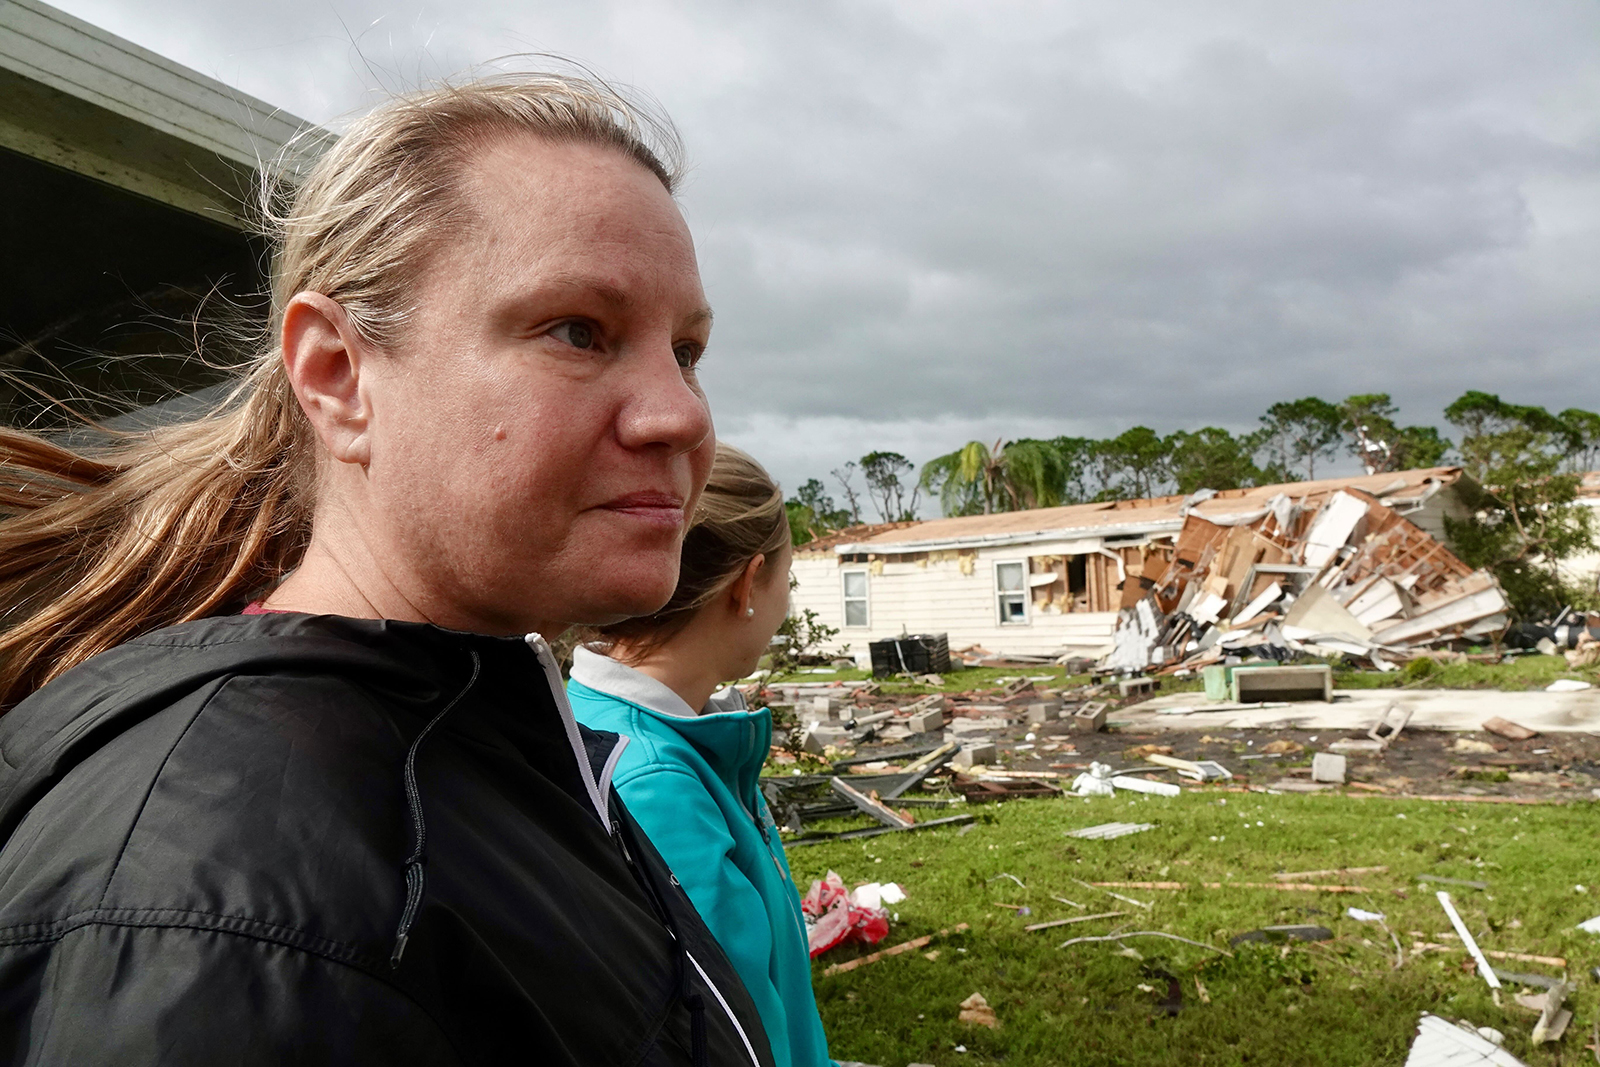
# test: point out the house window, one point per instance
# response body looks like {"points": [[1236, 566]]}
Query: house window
{"points": [[855, 598], [1011, 586]]}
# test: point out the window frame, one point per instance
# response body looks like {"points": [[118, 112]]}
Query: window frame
{"points": [[865, 599], [1023, 594]]}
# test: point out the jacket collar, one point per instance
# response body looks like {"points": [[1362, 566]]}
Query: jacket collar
{"points": [[605, 675], [733, 738]]}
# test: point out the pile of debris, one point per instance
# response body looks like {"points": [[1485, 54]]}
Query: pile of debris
{"points": [[1337, 573]]}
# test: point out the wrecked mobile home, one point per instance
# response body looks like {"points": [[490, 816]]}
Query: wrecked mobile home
{"points": [[1355, 565]]}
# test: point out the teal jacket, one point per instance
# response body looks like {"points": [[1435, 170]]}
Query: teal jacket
{"points": [[692, 782]]}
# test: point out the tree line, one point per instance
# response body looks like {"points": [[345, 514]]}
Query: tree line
{"points": [[1526, 465]]}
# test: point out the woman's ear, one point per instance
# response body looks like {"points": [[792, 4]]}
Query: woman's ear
{"points": [[744, 587], [322, 357]]}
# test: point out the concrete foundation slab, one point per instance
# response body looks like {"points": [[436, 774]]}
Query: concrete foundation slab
{"points": [[1357, 710]]}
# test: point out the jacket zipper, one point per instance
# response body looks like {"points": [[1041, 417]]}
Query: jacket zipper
{"points": [[541, 650]]}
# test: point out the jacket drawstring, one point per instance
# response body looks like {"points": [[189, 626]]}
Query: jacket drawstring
{"points": [[417, 861], [698, 1051]]}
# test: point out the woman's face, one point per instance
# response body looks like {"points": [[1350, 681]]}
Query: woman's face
{"points": [[540, 436]]}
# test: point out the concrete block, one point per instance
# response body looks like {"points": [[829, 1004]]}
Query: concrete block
{"points": [[826, 707], [1357, 746], [926, 722], [976, 754], [1043, 712], [1090, 717], [1134, 686], [1328, 767]]}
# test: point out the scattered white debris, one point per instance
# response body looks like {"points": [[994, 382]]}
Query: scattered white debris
{"points": [[1590, 926], [1466, 939], [1364, 916], [875, 895], [1096, 782], [1145, 785], [1567, 685], [1108, 830], [1443, 1044]]}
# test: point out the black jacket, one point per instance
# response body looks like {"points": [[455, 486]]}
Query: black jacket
{"points": [[278, 839]]}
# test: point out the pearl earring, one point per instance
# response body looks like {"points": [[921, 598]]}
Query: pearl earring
{"points": [[749, 613]]}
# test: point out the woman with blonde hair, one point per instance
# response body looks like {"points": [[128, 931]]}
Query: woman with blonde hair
{"points": [[690, 771], [355, 822]]}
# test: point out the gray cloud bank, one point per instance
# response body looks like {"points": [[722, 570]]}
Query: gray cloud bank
{"points": [[926, 221]]}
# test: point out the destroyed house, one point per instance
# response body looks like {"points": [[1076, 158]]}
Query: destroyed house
{"points": [[1054, 580], [127, 180]]}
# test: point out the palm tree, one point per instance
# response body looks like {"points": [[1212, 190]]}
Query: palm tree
{"points": [[979, 479]]}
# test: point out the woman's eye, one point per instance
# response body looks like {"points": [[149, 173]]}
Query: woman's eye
{"points": [[576, 334], [688, 355]]}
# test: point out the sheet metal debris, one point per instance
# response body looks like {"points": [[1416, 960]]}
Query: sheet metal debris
{"points": [[1144, 933], [1280, 934], [1107, 831], [875, 831], [1444, 1044], [1442, 880]]}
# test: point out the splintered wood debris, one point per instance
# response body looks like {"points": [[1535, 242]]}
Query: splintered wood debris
{"points": [[1333, 572]]}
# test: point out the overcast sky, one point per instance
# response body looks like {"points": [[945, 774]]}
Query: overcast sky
{"points": [[924, 222]]}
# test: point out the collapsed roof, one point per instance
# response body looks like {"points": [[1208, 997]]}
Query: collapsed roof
{"points": [[1401, 490], [1323, 573]]}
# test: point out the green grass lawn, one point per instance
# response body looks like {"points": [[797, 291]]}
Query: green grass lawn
{"points": [[1340, 1002], [1523, 672]]}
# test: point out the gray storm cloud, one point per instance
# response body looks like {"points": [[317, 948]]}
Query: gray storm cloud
{"points": [[925, 221]]}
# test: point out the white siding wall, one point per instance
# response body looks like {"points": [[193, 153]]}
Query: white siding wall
{"points": [[1430, 517], [1583, 570], [936, 597]]}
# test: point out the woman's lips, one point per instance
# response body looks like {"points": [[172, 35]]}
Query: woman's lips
{"points": [[661, 510]]}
